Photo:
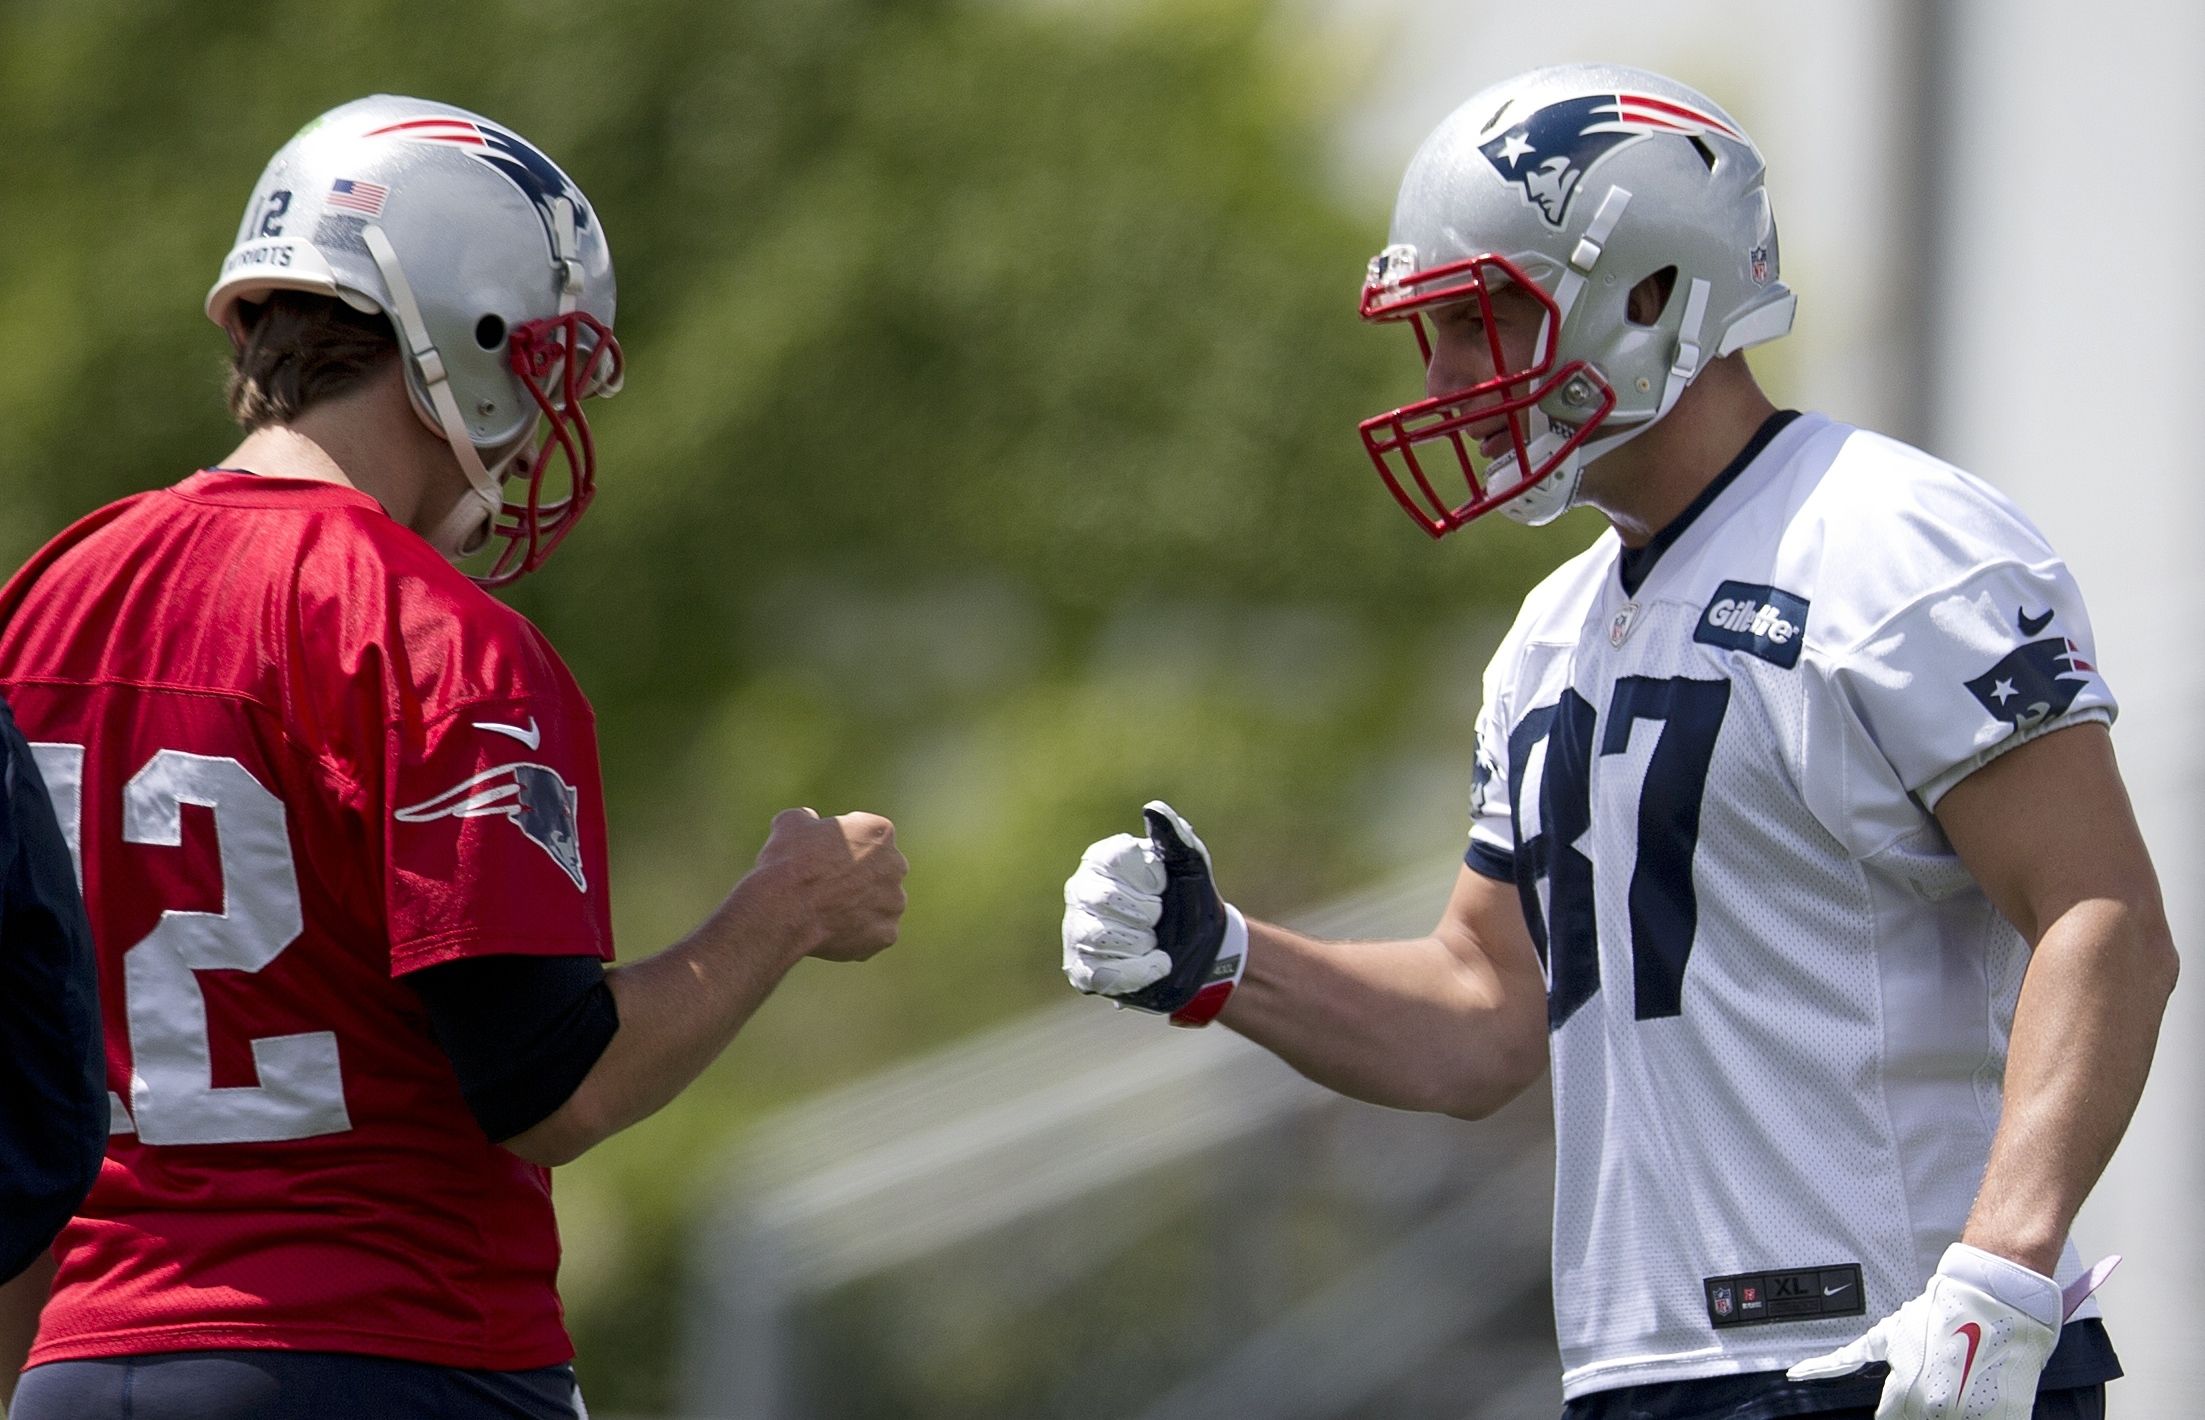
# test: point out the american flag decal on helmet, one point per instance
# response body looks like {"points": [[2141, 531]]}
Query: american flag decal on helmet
{"points": [[532, 796], [354, 195], [1549, 152]]}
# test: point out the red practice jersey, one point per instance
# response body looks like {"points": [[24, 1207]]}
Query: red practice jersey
{"points": [[298, 755]]}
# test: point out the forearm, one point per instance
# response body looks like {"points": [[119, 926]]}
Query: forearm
{"points": [[831, 888], [2084, 1032], [678, 1011], [1411, 1024]]}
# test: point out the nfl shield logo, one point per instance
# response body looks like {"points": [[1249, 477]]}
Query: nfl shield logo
{"points": [[1759, 256], [1621, 626], [1722, 1301]]}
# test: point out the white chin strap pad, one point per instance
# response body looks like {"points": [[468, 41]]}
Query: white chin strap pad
{"points": [[1554, 494], [465, 529], [467, 526]]}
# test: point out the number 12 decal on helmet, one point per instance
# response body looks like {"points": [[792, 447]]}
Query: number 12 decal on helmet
{"points": [[492, 270]]}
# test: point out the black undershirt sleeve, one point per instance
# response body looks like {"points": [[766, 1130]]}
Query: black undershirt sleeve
{"points": [[521, 1031]]}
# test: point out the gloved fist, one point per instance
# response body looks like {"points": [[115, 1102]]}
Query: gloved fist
{"points": [[1969, 1348], [1144, 924]]}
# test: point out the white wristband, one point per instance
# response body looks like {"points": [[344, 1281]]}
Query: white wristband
{"points": [[1226, 970], [2026, 1290]]}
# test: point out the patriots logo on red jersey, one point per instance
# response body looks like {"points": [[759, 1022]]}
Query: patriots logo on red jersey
{"points": [[532, 796], [1549, 153]]}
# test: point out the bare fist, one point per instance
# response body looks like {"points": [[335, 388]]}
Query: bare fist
{"points": [[836, 882]]}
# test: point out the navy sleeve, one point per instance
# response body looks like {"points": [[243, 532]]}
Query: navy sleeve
{"points": [[1490, 862], [53, 1076], [521, 1031]]}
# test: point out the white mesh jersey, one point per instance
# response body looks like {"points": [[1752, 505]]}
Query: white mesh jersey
{"points": [[1778, 1004]]}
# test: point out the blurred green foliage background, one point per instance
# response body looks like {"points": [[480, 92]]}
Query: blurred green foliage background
{"points": [[987, 460]]}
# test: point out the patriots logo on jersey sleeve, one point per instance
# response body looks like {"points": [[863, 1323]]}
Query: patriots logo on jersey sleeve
{"points": [[531, 796], [2035, 681], [1549, 153]]}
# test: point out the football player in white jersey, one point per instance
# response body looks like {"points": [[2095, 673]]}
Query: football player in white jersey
{"points": [[1798, 848]]}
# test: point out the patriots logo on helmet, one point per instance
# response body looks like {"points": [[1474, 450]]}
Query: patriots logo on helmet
{"points": [[1549, 153], [532, 796], [537, 177], [2034, 681]]}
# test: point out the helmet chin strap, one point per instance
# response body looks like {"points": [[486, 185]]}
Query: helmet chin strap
{"points": [[566, 254], [1556, 494], [467, 526], [465, 529]]}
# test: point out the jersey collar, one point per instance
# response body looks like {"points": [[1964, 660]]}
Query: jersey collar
{"points": [[1636, 564], [242, 488]]}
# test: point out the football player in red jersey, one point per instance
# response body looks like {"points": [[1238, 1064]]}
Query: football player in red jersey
{"points": [[338, 821]]}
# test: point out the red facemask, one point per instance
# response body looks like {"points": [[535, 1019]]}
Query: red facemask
{"points": [[562, 360], [1393, 438]]}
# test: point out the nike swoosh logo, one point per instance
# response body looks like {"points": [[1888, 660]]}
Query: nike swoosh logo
{"points": [[2031, 625], [1974, 1333], [1840, 1287], [532, 737]]}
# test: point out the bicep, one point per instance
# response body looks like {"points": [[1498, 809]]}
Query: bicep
{"points": [[1483, 929], [2047, 826]]}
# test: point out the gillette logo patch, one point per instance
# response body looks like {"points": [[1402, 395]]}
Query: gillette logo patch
{"points": [[1768, 622]]}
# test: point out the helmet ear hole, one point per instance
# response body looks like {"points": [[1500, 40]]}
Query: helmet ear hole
{"points": [[490, 331], [1650, 297]]}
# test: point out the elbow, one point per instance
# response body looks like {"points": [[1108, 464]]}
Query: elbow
{"points": [[561, 1137], [2165, 965], [548, 1146], [545, 1151], [2156, 965], [1498, 1077]]}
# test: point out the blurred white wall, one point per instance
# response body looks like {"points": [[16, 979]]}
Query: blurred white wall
{"points": [[2072, 351], [1986, 207]]}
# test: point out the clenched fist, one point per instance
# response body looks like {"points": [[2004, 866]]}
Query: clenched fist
{"points": [[835, 882], [1144, 925]]}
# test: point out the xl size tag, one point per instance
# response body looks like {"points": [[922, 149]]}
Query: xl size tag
{"points": [[1804, 1294]]}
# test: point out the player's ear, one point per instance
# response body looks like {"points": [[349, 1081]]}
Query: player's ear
{"points": [[1650, 297]]}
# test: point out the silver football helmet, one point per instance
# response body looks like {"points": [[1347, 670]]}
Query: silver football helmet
{"points": [[492, 269], [1574, 183]]}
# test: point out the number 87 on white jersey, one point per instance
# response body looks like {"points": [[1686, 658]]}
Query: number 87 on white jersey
{"points": [[1778, 1005]]}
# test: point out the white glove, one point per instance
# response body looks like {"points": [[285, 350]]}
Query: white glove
{"points": [[1969, 1348], [1111, 904], [1144, 923]]}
